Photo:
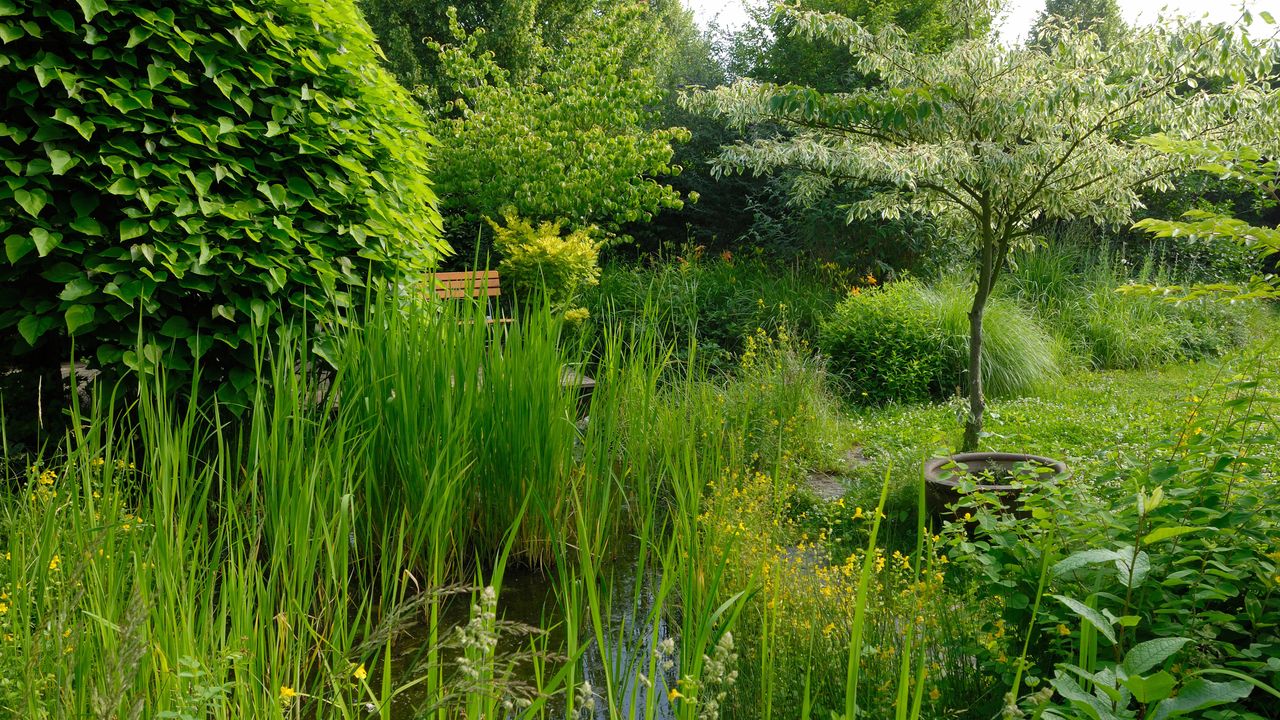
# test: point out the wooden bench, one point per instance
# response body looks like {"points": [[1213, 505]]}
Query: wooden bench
{"points": [[487, 284]]}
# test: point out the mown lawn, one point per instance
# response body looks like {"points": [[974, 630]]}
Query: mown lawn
{"points": [[1088, 418]]}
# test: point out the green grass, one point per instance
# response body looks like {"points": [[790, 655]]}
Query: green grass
{"points": [[1084, 418], [1074, 292], [718, 302]]}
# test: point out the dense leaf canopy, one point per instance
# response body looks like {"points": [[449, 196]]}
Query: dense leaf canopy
{"points": [[198, 171], [571, 141]]}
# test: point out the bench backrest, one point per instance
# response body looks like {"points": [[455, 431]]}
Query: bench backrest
{"points": [[458, 285]]}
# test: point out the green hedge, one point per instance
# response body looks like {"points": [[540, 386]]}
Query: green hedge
{"points": [[196, 172]]}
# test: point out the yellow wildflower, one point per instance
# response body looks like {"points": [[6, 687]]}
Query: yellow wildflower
{"points": [[671, 696], [287, 694], [360, 673], [55, 562]]}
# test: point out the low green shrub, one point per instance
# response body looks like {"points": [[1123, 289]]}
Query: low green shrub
{"points": [[1173, 544], [885, 343], [909, 341]]}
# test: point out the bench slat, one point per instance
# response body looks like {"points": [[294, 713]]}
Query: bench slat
{"points": [[457, 285]]}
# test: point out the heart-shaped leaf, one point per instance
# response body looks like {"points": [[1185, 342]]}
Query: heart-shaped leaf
{"points": [[61, 161], [16, 246], [33, 201], [78, 316], [45, 241], [1151, 689]]}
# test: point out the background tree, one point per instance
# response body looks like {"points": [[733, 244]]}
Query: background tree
{"points": [[1101, 17], [995, 142], [198, 173], [767, 48], [755, 212], [572, 139], [404, 29]]}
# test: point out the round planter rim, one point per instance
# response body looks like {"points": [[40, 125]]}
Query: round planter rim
{"points": [[933, 466]]}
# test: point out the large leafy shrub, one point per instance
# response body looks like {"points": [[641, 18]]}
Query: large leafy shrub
{"points": [[193, 173], [569, 138]]}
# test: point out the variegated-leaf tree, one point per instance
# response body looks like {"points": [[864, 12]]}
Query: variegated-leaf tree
{"points": [[1242, 163], [995, 141]]}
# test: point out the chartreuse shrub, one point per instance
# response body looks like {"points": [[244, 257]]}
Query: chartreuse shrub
{"points": [[193, 173], [909, 341], [541, 260]]}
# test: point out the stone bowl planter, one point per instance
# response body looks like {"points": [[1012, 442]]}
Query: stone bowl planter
{"points": [[1005, 475]]}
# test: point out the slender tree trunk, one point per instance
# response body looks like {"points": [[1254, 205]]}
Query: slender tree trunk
{"points": [[977, 403], [988, 263]]}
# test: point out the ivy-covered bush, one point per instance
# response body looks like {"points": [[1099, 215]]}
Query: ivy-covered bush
{"points": [[540, 260], [195, 172]]}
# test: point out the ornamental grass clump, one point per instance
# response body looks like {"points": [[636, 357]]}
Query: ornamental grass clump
{"points": [[1018, 354]]}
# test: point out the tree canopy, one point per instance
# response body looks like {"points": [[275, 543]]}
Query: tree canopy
{"points": [[571, 139], [994, 142], [1101, 17], [769, 50]]}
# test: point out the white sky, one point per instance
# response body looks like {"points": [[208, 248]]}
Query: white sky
{"points": [[1021, 13]]}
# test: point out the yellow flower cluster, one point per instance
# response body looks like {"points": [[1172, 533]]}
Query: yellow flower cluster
{"points": [[804, 594]]}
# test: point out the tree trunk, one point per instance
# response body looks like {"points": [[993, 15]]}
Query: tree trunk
{"points": [[990, 257], [977, 404]]}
